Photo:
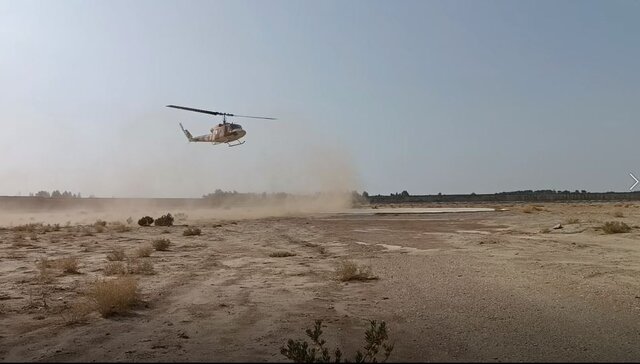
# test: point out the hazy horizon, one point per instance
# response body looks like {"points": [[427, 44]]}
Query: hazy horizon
{"points": [[425, 96]]}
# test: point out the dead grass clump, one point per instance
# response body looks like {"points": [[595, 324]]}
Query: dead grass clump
{"points": [[191, 231], [348, 270], [114, 269], [69, 265], [30, 228], [140, 266], [144, 251], [115, 296], [77, 313], [161, 244], [573, 221], [120, 227], [116, 255], [281, 254], [532, 208], [615, 227], [44, 275], [618, 214]]}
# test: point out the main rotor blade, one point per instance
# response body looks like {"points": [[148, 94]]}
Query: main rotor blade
{"points": [[217, 113], [199, 110], [253, 117]]}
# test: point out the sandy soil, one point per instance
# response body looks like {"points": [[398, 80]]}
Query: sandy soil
{"points": [[475, 286]]}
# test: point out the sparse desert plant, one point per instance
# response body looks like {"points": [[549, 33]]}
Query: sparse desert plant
{"points": [[615, 227], [144, 251], [532, 208], [376, 338], [348, 270], [281, 254], [618, 214], [120, 227], [191, 231], [30, 227], [164, 220], [129, 220], [114, 269], [161, 244], [69, 265], [140, 266], [100, 223], [116, 255], [145, 221], [114, 296], [77, 312], [44, 275]]}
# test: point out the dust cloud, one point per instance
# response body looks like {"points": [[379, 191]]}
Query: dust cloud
{"points": [[288, 170]]}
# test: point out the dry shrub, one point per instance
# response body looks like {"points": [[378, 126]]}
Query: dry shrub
{"points": [[115, 269], [120, 227], [44, 275], [114, 296], [281, 254], [140, 266], [348, 270], [615, 227], [573, 221], [99, 228], [144, 251], [116, 255], [77, 313], [161, 244], [30, 228], [532, 208], [68, 265], [618, 214], [100, 223], [191, 231]]}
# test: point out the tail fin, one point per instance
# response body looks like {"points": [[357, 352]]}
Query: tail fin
{"points": [[186, 132]]}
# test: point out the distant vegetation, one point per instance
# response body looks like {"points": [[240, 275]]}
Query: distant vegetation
{"points": [[55, 194], [522, 195]]}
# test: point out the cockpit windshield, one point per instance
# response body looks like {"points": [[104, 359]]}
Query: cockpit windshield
{"points": [[235, 126]]}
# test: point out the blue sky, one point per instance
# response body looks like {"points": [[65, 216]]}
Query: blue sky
{"points": [[424, 96]]}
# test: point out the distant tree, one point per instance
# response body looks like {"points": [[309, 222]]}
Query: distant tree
{"points": [[43, 194], [404, 194], [56, 194], [365, 194]]}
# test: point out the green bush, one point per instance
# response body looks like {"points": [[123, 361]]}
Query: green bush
{"points": [[164, 220], [145, 221], [375, 336]]}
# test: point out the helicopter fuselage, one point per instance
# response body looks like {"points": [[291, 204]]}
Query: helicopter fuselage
{"points": [[221, 133]]}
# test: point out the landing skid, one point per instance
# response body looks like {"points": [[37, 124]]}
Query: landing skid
{"points": [[235, 145]]}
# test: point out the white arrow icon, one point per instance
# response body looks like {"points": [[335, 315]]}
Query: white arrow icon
{"points": [[635, 179]]}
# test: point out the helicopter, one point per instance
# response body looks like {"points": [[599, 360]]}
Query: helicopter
{"points": [[221, 133]]}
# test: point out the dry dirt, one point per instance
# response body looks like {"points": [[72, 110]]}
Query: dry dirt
{"points": [[489, 286]]}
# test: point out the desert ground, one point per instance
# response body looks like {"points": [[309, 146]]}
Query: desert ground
{"points": [[501, 285]]}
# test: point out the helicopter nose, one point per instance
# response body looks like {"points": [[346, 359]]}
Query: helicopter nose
{"points": [[240, 133]]}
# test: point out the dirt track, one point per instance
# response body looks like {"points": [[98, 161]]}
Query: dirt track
{"points": [[485, 286]]}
